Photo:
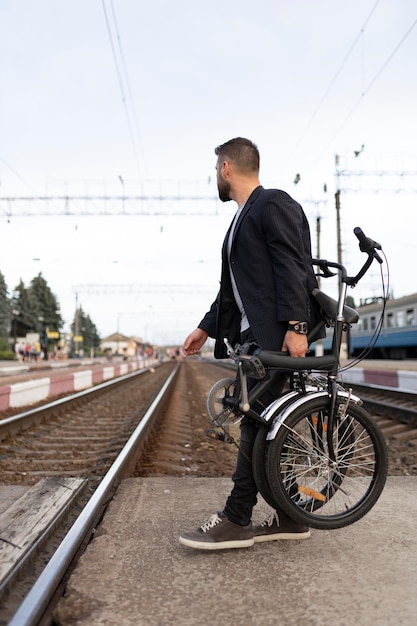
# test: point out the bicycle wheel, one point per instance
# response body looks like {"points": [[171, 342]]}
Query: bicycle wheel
{"points": [[220, 412], [311, 488]]}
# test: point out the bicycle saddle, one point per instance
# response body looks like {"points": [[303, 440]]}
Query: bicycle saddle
{"points": [[329, 307]]}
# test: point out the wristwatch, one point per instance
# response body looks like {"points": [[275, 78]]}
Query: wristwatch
{"points": [[301, 328]]}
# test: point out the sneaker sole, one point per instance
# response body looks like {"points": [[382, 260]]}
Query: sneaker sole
{"points": [[219, 545], [282, 536]]}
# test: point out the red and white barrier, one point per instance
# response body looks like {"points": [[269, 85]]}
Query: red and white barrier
{"points": [[38, 389], [400, 380]]}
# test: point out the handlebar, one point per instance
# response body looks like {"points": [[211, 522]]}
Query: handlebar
{"points": [[368, 245]]}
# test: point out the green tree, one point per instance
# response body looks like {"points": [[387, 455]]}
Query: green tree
{"points": [[38, 308], [46, 305], [27, 317], [82, 325], [5, 313]]}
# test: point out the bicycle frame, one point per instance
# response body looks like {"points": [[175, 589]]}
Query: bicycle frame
{"points": [[261, 365]]}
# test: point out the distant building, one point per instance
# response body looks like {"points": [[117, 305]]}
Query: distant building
{"points": [[120, 344]]}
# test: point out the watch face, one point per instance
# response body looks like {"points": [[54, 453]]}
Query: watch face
{"points": [[300, 327]]}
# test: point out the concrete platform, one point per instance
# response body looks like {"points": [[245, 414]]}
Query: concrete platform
{"points": [[136, 573]]}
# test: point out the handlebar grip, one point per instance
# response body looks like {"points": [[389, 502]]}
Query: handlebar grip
{"points": [[368, 245]]}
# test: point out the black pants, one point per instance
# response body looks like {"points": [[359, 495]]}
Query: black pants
{"points": [[239, 505]]}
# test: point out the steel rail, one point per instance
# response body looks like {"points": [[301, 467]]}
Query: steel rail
{"points": [[400, 405], [36, 602], [27, 418]]}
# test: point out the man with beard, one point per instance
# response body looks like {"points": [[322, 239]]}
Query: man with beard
{"points": [[266, 280]]}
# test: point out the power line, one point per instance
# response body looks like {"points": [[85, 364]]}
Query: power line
{"points": [[25, 206], [145, 204], [105, 289], [338, 71], [129, 90], [379, 72], [120, 80], [22, 180], [370, 84]]}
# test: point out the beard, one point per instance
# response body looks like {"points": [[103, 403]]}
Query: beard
{"points": [[224, 190]]}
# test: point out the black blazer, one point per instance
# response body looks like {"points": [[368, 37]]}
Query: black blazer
{"points": [[272, 266]]}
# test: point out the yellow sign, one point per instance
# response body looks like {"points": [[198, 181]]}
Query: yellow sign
{"points": [[78, 338], [53, 334]]}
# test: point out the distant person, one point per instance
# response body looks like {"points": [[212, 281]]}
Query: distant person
{"points": [[266, 279], [44, 347]]}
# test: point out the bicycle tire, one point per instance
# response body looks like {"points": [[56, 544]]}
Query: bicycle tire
{"points": [[311, 489], [259, 456]]}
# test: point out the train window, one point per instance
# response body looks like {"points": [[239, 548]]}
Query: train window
{"points": [[373, 322], [400, 318], [410, 317], [365, 323], [390, 320]]}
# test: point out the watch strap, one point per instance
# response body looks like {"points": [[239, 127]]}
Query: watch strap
{"points": [[301, 328]]}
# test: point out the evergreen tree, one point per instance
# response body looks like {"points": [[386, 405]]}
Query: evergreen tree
{"points": [[46, 305], [27, 319], [38, 308], [5, 313], [83, 326]]}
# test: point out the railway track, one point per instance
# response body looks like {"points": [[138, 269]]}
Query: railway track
{"points": [[96, 438], [398, 406], [82, 439], [82, 442]]}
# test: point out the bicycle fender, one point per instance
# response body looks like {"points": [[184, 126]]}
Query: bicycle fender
{"points": [[268, 413], [270, 410], [287, 410]]}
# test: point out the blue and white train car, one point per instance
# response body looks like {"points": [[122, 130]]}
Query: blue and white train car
{"points": [[398, 336]]}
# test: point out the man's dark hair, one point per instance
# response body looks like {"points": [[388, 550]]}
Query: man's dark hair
{"points": [[242, 152]]}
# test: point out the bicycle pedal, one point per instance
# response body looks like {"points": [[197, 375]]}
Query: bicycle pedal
{"points": [[215, 434]]}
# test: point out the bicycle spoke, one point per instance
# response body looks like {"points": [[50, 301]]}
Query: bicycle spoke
{"points": [[307, 482]]}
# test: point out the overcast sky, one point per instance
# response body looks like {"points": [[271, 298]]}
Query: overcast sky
{"points": [[105, 96]]}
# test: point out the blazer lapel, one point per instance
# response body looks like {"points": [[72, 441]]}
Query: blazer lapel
{"points": [[254, 195]]}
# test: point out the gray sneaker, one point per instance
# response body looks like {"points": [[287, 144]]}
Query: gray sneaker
{"points": [[281, 527], [218, 533]]}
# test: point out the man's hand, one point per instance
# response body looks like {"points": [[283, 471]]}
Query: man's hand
{"points": [[295, 344], [194, 342]]}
